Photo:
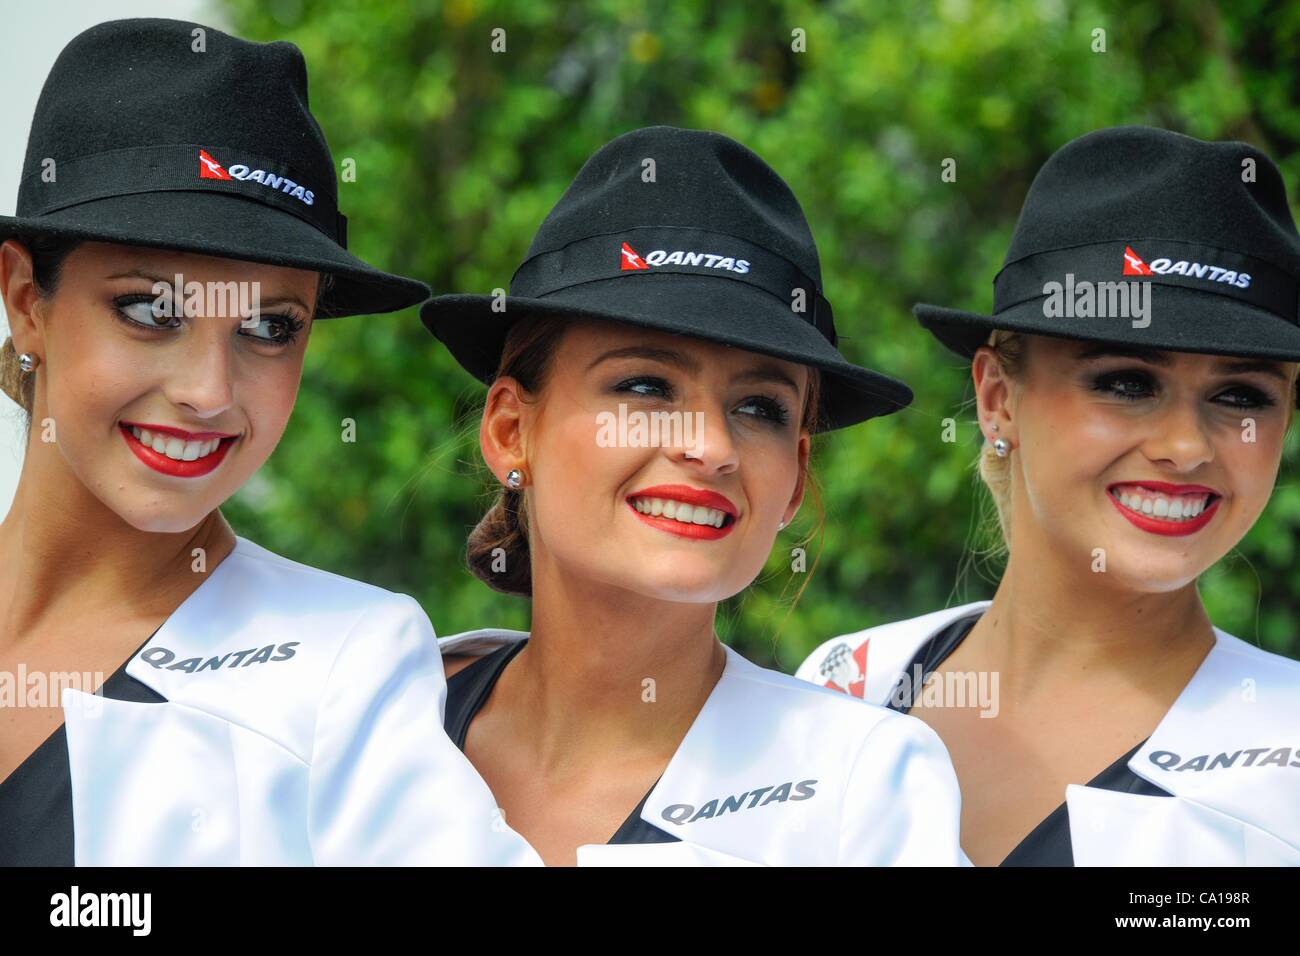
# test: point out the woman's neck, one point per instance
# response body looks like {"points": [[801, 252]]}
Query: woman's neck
{"points": [[1051, 625], [610, 671], [68, 558]]}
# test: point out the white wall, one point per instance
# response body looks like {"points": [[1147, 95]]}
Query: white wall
{"points": [[34, 33]]}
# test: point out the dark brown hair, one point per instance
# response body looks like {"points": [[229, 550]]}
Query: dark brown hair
{"points": [[529, 349]]}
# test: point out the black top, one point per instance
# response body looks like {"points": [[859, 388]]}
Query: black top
{"points": [[1048, 844], [468, 690], [36, 798]]}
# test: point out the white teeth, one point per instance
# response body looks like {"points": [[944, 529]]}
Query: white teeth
{"points": [[176, 448], [680, 511], [1167, 507]]}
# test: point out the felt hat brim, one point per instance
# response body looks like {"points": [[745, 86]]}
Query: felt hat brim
{"points": [[1182, 320], [232, 227], [475, 333]]}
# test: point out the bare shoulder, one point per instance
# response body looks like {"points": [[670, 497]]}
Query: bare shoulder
{"points": [[451, 663]]}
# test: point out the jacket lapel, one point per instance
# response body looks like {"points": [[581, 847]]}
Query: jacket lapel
{"points": [[152, 784], [743, 761], [1224, 750]]}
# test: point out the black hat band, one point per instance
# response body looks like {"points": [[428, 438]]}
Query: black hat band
{"points": [[680, 250], [1162, 261], [146, 169]]}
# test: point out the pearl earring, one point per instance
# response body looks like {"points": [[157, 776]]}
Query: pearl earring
{"points": [[514, 479]]}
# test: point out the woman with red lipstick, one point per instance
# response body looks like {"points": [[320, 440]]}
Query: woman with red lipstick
{"points": [[1127, 450], [256, 710], [652, 396]]}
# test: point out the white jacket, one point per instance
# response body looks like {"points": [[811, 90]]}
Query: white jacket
{"points": [[1228, 750], [774, 771], [302, 726]]}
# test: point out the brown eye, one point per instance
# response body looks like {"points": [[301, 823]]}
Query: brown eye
{"points": [[146, 311], [276, 329]]}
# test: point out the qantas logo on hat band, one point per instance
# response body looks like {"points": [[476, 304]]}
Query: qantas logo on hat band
{"points": [[209, 168], [632, 261], [1134, 266]]}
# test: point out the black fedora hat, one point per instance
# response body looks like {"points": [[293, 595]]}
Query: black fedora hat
{"points": [[1205, 224], [715, 247], [173, 135]]}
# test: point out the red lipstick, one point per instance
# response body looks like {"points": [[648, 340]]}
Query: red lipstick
{"points": [[170, 466], [691, 496], [1175, 528]]}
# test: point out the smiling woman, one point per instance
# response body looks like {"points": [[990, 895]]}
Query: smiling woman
{"points": [[256, 710], [1125, 456], [621, 701]]}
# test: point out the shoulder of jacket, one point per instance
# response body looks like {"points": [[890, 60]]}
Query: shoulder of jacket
{"points": [[266, 642], [310, 583], [831, 709], [483, 640], [1279, 666]]}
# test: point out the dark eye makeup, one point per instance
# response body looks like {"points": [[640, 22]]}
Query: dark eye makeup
{"points": [[136, 310], [1136, 384], [763, 407]]}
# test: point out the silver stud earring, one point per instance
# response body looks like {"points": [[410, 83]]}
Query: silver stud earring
{"points": [[1001, 447], [514, 479], [994, 426], [27, 362], [781, 526]]}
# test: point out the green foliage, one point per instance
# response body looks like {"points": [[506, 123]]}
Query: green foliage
{"points": [[461, 152]]}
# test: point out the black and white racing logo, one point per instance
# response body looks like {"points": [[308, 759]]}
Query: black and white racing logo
{"points": [[680, 813]]}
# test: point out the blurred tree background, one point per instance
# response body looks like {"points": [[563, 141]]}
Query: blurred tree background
{"points": [[460, 152]]}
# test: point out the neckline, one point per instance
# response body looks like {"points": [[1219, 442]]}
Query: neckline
{"points": [[920, 657], [121, 670], [508, 652]]}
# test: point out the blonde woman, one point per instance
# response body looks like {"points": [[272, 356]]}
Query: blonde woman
{"points": [[1127, 449]]}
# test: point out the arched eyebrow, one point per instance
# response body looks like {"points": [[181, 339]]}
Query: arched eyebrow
{"points": [[1122, 351], [667, 356], [168, 280], [765, 372], [1240, 366], [1225, 366]]}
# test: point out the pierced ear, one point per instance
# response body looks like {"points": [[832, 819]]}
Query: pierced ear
{"points": [[992, 395], [501, 432], [18, 288]]}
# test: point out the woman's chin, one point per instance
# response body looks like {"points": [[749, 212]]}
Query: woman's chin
{"points": [[1144, 572], [153, 519], [680, 583]]}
